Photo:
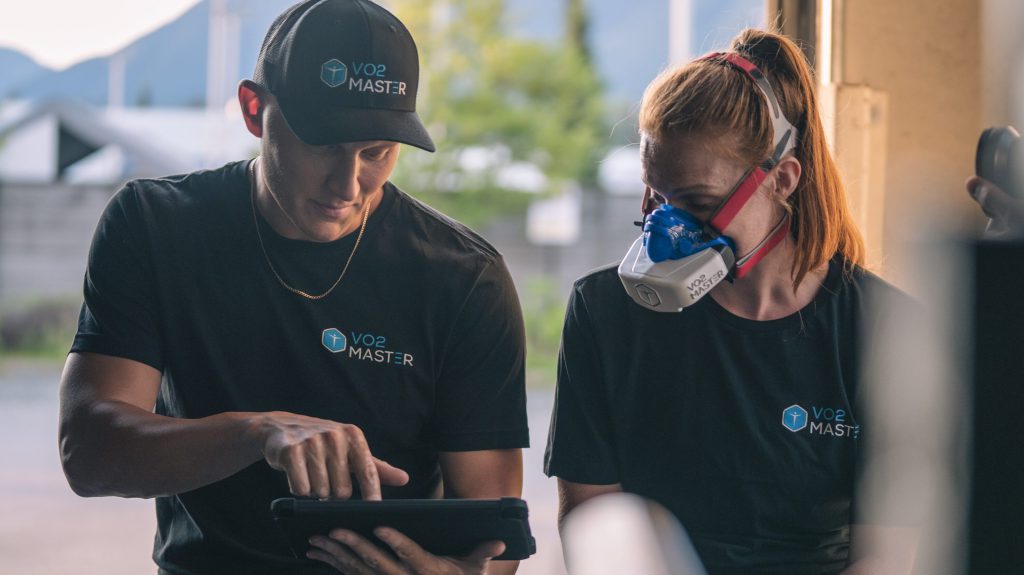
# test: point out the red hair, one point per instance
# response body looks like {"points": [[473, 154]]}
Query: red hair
{"points": [[708, 97]]}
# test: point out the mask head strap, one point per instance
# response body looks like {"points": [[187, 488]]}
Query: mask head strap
{"points": [[747, 262], [783, 141]]}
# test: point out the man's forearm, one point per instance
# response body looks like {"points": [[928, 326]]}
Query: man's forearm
{"points": [[114, 448]]}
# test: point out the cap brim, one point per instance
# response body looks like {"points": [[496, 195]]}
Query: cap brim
{"points": [[356, 125]]}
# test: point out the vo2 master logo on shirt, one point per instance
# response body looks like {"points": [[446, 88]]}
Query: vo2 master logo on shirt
{"points": [[818, 420], [364, 346]]}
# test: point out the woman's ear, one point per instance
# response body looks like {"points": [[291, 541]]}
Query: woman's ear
{"points": [[787, 176], [252, 101]]}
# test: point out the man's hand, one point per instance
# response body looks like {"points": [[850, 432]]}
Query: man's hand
{"points": [[467, 474], [354, 555], [320, 457], [1006, 211]]}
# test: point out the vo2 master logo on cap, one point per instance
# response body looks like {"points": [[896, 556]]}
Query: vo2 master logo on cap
{"points": [[360, 77], [334, 73]]}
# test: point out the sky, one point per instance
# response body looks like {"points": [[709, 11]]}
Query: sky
{"points": [[59, 33]]}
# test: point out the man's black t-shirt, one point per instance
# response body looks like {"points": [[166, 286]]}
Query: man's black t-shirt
{"points": [[420, 345], [747, 431]]}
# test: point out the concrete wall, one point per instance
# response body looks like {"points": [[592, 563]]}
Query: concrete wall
{"points": [[606, 232], [924, 56], [45, 231], [1002, 57]]}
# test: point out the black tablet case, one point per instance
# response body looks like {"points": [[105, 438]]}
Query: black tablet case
{"points": [[452, 527]]}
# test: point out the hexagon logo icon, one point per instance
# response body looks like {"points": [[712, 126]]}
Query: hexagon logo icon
{"points": [[794, 418], [648, 294], [334, 340], [334, 73]]}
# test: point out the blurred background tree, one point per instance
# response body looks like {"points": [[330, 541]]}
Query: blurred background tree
{"points": [[508, 114]]}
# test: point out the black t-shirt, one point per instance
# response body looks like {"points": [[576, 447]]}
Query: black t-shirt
{"points": [[421, 345], [748, 431]]}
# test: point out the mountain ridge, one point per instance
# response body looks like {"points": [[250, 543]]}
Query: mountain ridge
{"points": [[167, 67]]}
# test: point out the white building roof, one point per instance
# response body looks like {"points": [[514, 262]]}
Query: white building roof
{"points": [[115, 144]]}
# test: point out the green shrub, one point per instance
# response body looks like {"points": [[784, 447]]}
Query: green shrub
{"points": [[39, 328], [543, 314]]}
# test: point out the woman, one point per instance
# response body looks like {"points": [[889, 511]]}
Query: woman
{"points": [[739, 413]]}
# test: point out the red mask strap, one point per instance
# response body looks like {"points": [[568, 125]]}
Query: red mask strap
{"points": [[737, 198], [783, 140], [744, 264]]}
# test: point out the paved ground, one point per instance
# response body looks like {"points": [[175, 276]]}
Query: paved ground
{"points": [[47, 529]]}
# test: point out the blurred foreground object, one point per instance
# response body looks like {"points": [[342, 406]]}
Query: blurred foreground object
{"points": [[999, 183], [917, 395], [945, 391], [996, 503], [1000, 159], [624, 534]]}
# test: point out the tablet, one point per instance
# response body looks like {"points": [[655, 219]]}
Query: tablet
{"points": [[441, 526]]}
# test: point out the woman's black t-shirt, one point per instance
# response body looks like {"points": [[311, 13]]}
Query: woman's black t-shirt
{"points": [[748, 431]]}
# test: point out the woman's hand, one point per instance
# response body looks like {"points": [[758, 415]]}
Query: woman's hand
{"points": [[354, 555]]}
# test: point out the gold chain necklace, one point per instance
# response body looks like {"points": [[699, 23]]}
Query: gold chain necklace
{"points": [[259, 235]]}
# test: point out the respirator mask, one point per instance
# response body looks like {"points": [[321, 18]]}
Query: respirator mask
{"points": [[677, 259]]}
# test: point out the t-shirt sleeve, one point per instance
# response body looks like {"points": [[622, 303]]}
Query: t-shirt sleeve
{"points": [[480, 400], [580, 444], [118, 316]]}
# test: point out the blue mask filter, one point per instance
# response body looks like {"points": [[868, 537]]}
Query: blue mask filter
{"points": [[672, 234]]}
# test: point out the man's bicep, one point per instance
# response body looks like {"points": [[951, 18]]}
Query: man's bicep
{"points": [[90, 378], [480, 396], [486, 474], [121, 312]]}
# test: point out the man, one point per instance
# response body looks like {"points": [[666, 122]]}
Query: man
{"points": [[296, 323]]}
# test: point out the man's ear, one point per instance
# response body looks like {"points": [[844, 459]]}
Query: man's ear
{"points": [[787, 176], [252, 101]]}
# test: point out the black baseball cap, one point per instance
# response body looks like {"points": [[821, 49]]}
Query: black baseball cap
{"points": [[343, 71]]}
